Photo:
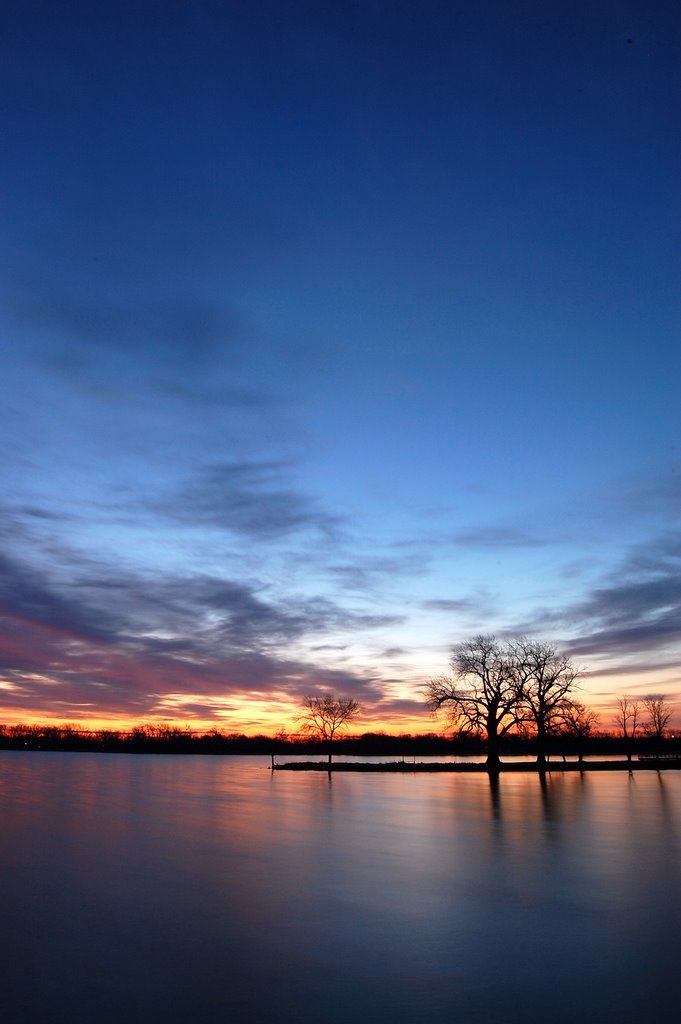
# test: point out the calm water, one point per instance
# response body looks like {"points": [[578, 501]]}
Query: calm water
{"points": [[200, 889]]}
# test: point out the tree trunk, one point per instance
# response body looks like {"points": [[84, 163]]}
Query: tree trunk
{"points": [[541, 745], [493, 763]]}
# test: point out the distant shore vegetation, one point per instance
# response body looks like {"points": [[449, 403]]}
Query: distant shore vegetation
{"points": [[171, 739]]}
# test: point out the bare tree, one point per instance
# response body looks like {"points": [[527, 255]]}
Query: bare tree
{"points": [[482, 695], [626, 717], [545, 679], [324, 716], [658, 717], [578, 721]]}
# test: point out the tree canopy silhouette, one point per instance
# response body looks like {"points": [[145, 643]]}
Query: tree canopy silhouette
{"points": [[482, 696], [498, 686], [544, 679], [627, 718], [659, 714]]}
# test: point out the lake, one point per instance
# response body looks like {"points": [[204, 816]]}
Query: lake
{"points": [[205, 888]]}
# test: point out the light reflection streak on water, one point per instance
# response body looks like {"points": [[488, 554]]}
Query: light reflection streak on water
{"points": [[189, 887]]}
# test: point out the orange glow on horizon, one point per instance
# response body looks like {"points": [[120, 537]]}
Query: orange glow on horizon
{"points": [[259, 713], [258, 722], [262, 724]]}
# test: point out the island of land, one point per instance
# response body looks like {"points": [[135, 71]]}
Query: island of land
{"points": [[641, 763]]}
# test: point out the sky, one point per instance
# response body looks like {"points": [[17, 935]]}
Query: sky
{"points": [[332, 335]]}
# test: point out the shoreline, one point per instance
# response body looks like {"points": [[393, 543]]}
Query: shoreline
{"points": [[479, 767]]}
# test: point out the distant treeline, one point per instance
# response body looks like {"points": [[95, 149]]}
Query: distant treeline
{"points": [[161, 739]]}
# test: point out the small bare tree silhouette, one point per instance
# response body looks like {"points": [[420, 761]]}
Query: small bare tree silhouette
{"points": [[324, 716]]}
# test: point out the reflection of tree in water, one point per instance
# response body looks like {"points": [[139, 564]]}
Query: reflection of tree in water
{"points": [[545, 806], [667, 815], [323, 790], [561, 797], [550, 799], [547, 796], [551, 793], [495, 796]]}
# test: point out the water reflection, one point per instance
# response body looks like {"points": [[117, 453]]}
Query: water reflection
{"points": [[187, 888], [495, 796]]}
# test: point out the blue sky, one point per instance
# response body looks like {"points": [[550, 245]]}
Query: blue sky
{"points": [[333, 334]]}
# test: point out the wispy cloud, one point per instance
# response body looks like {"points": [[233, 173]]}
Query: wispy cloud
{"points": [[177, 328], [373, 571], [634, 610], [494, 537], [255, 499], [27, 597], [446, 604], [103, 642], [630, 618]]}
